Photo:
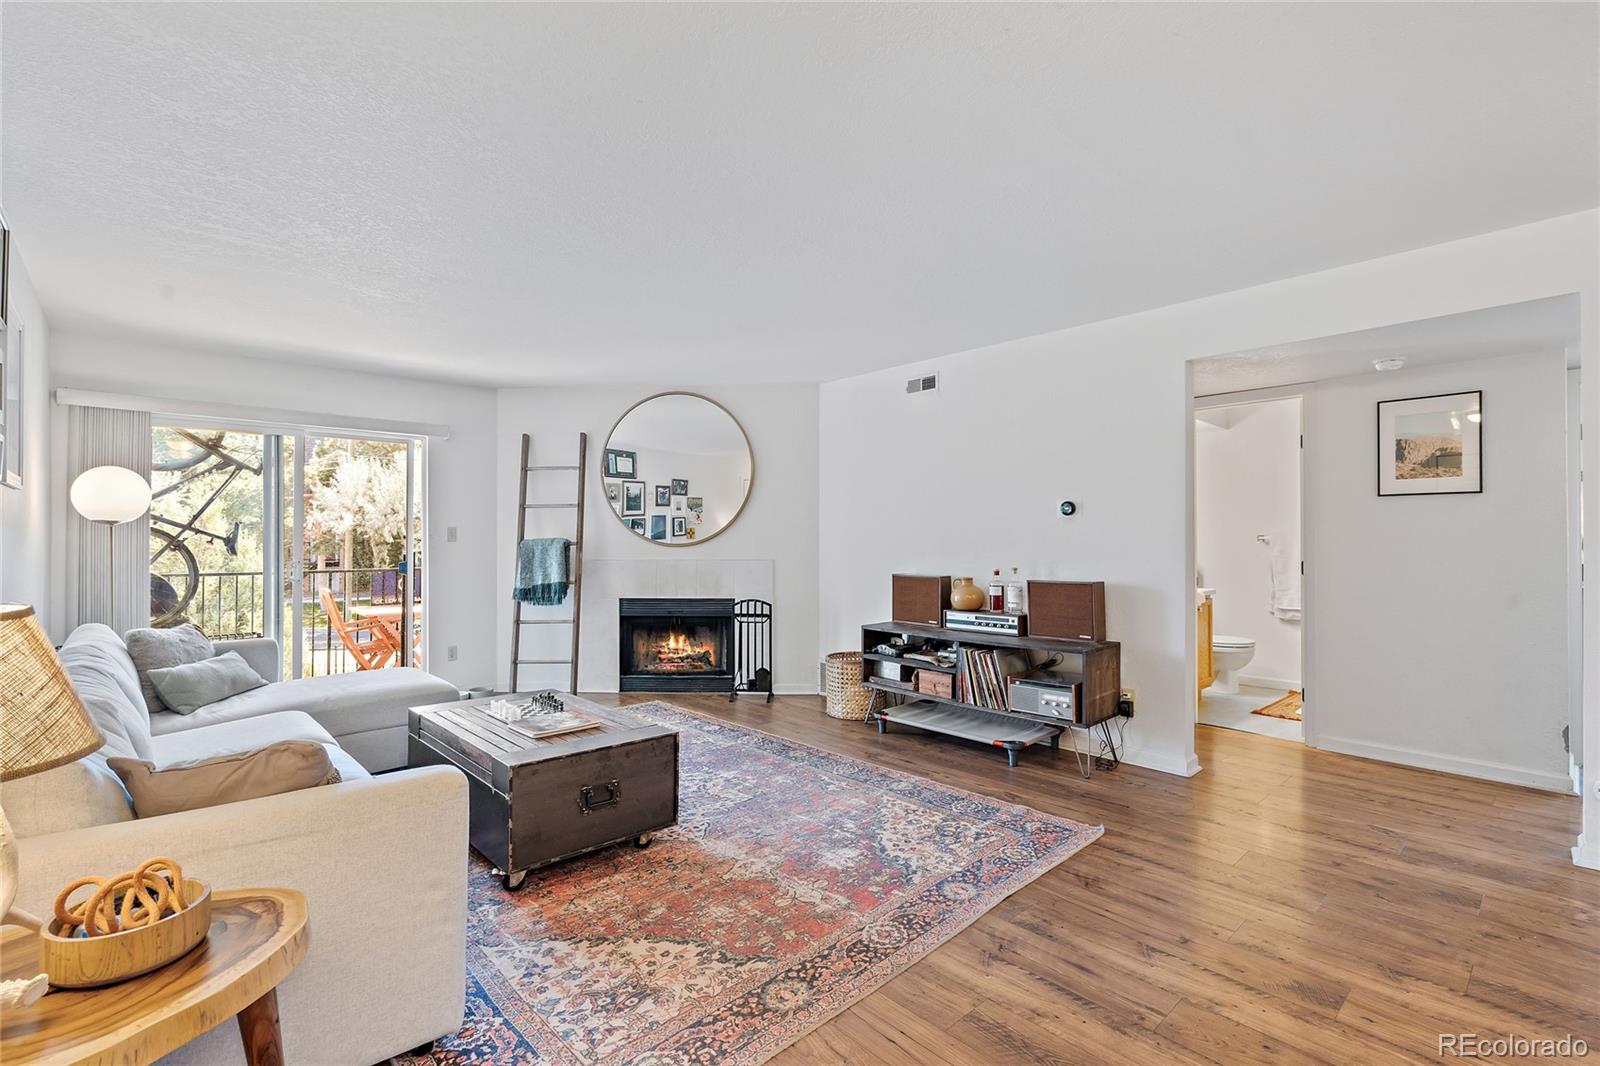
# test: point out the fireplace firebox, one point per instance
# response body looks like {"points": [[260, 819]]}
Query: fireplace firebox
{"points": [[676, 645]]}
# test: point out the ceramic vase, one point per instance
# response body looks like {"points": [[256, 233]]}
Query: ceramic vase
{"points": [[965, 596]]}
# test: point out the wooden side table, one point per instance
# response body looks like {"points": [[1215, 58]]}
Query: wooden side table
{"points": [[258, 936]]}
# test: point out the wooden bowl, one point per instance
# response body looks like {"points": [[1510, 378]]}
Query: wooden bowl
{"points": [[85, 962]]}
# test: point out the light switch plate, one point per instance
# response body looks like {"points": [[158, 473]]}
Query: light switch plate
{"points": [[450, 534]]}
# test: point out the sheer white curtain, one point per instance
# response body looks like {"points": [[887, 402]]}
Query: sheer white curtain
{"points": [[101, 436]]}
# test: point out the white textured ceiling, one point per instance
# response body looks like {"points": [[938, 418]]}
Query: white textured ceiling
{"points": [[726, 193], [1549, 325]]}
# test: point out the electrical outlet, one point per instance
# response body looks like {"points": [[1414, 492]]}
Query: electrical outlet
{"points": [[1127, 694], [450, 534], [450, 653]]}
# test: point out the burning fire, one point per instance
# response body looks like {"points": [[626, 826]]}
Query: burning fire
{"points": [[677, 652]]}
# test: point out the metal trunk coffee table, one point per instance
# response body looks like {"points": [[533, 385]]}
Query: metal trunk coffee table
{"points": [[535, 801]]}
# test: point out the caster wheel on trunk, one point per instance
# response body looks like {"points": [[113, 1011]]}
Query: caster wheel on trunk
{"points": [[644, 840], [514, 881]]}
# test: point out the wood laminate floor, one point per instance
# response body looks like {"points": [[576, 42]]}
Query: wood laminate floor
{"points": [[1285, 905]]}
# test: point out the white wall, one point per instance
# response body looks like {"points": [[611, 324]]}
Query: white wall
{"points": [[25, 512], [1247, 483], [1101, 414], [1575, 590], [1439, 628], [463, 600], [779, 523]]}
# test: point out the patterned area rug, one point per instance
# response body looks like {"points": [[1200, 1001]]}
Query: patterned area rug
{"points": [[1286, 706], [796, 882]]}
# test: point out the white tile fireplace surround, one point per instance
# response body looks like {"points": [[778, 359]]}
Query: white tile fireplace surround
{"points": [[607, 581]]}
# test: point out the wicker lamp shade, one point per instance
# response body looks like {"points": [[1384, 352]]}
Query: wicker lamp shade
{"points": [[42, 722]]}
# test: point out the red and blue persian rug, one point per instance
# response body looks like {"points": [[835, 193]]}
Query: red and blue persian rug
{"points": [[795, 882]]}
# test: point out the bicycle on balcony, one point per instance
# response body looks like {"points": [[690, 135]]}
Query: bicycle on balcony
{"points": [[169, 601]]}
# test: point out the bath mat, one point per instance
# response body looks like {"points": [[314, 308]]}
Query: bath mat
{"points": [[1287, 706], [796, 882]]}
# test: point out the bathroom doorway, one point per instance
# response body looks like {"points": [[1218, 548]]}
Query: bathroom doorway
{"points": [[1409, 600], [1249, 597]]}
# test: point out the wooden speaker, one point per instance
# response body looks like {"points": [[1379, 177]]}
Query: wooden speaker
{"points": [[1070, 610], [920, 599]]}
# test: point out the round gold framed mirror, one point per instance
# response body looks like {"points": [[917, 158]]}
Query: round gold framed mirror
{"points": [[677, 469]]}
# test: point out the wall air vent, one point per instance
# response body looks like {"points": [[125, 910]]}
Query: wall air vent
{"points": [[923, 384]]}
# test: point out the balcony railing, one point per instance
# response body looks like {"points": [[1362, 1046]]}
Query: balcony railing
{"points": [[226, 605], [325, 651], [231, 606]]}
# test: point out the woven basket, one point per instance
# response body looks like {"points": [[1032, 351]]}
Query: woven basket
{"points": [[847, 697]]}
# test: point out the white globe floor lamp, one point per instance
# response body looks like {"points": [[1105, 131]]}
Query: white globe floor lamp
{"points": [[110, 496]]}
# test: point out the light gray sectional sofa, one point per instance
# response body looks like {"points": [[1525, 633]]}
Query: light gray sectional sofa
{"points": [[364, 711], [382, 860]]}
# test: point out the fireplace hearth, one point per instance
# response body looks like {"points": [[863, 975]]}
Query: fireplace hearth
{"points": [[675, 645]]}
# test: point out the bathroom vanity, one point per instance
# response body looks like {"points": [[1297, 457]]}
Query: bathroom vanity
{"points": [[1205, 665]]}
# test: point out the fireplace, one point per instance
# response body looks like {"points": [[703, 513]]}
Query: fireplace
{"points": [[675, 645]]}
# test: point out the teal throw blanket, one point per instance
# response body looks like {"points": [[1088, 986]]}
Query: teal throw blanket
{"points": [[542, 571]]}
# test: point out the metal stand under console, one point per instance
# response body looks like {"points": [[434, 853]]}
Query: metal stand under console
{"points": [[997, 729]]}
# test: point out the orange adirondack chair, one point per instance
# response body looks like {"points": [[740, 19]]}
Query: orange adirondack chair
{"points": [[392, 635], [372, 655]]}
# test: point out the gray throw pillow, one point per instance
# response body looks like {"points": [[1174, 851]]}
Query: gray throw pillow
{"points": [[157, 649], [189, 687]]}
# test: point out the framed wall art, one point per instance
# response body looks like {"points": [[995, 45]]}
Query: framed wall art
{"points": [[11, 428], [1431, 445], [620, 463], [632, 498]]}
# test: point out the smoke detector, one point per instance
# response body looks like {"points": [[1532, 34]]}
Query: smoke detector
{"points": [[1393, 362]]}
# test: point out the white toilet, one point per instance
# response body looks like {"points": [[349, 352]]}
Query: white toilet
{"points": [[1229, 655]]}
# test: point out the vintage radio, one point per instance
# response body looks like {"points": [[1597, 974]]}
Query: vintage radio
{"points": [[919, 599], [1050, 695], [1009, 625], [1069, 610]]}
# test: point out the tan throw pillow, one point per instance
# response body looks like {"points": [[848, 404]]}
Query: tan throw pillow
{"points": [[287, 766], [158, 649]]}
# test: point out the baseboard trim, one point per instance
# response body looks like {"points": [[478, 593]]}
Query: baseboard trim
{"points": [[1585, 854], [1449, 764], [1269, 682], [1167, 762]]}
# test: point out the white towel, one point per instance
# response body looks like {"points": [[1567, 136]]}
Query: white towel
{"points": [[1285, 569]]}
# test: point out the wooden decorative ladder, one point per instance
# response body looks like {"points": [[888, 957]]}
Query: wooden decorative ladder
{"points": [[574, 568]]}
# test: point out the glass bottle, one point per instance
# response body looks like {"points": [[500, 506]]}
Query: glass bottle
{"points": [[997, 592], [1016, 593]]}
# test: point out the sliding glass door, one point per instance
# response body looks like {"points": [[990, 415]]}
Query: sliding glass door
{"points": [[358, 600], [313, 537]]}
